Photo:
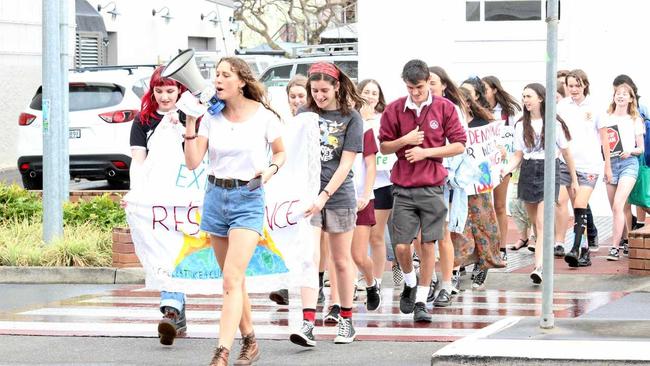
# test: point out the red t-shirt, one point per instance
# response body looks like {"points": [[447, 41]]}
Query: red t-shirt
{"points": [[439, 121]]}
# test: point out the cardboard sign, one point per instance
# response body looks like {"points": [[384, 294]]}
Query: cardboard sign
{"points": [[483, 146]]}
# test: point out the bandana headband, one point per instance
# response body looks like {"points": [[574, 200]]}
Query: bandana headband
{"points": [[324, 68]]}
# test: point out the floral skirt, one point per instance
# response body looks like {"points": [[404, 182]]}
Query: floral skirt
{"points": [[479, 243]]}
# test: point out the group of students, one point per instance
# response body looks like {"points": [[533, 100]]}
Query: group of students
{"points": [[421, 199]]}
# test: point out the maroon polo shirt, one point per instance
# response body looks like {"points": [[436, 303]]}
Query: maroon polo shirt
{"points": [[439, 121]]}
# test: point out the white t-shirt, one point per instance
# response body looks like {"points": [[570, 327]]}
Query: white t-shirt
{"points": [[582, 121], [628, 128], [382, 179], [497, 112], [359, 167], [239, 150], [537, 151]]}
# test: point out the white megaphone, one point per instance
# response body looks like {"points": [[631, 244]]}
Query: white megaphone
{"points": [[183, 69]]}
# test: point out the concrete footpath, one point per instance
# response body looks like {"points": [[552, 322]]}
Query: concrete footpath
{"points": [[71, 275]]}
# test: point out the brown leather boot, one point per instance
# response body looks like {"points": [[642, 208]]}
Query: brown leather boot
{"points": [[220, 357], [250, 352]]}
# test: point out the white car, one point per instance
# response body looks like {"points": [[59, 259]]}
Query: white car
{"points": [[103, 104]]}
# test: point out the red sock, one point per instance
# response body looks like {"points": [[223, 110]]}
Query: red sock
{"points": [[346, 313], [309, 315]]}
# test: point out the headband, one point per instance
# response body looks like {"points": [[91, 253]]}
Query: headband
{"points": [[324, 68]]}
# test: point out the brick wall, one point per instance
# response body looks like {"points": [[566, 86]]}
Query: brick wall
{"points": [[87, 195], [123, 250], [639, 243]]}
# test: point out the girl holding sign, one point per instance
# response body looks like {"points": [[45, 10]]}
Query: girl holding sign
{"points": [[529, 153], [238, 141], [625, 132], [503, 107], [479, 244]]}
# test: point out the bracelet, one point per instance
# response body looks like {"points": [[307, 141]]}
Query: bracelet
{"points": [[190, 137], [329, 195], [277, 168]]}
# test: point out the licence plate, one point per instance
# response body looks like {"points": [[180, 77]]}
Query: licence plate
{"points": [[75, 133]]}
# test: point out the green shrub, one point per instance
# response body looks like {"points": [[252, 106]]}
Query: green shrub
{"points": [[101, 212], [19, 204]]}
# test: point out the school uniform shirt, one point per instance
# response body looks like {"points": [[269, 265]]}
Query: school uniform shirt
{"points": [[338, 133], [499, 114], [582, 121], [438, 120], [239, 150], [628, 128], [537, 151], [359, 168]]}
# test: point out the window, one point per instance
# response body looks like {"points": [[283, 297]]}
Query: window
{"points": [[84, 96], [495, 11], [277, 76]]}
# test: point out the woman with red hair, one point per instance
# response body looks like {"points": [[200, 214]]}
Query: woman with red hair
{"points": [[158, 104]]}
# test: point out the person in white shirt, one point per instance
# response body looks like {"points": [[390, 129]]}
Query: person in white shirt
{"points": [[237, 141], [588, 139], [625, 133], [529, 152]]}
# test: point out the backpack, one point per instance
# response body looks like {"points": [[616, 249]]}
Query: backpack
{"points": [[645, 116]]}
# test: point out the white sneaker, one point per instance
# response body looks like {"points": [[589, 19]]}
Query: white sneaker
{"points": [[536, 276]]}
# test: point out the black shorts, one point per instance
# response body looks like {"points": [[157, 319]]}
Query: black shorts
{"points": [[384, 198]]}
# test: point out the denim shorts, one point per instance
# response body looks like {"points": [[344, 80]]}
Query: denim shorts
{"points": [[237, 208], [531, 180], [584, 179], [624, 168]]}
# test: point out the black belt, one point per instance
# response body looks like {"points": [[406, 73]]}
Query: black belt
{"points": [[226, 183]]}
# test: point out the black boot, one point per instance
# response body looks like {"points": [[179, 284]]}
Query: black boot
{"points": [[585, 259], [579, 229]]}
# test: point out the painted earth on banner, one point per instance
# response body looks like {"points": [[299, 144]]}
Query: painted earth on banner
{"points": [[164, 214]]}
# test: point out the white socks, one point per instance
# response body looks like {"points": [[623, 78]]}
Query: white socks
{"points": [[410, 279], [421, 295]]}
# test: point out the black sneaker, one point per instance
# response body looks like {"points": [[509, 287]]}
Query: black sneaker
{"points": [[373, 297], [333, 314], [432, 291], [280, 297], [504, 255], [321, 296], [479, 280], [593, 242], [559, 250], [455, 283], [613, 254], [573, 257], [625, 246], [536, 276], [345, 333], [443, 299], [407, 299], [398, 276], [172, 324], [304, 337], [462, 271], [475, 271], [420, 314]]}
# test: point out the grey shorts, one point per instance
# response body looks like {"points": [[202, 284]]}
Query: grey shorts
{"points": [[335, 220], [415, 208], [584, 179]]}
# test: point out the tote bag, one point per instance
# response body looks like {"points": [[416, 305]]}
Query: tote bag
{"points": [[640, 195]]}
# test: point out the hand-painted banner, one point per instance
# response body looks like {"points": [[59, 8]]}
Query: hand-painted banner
{"points": [[484, 146], [164, 214]]}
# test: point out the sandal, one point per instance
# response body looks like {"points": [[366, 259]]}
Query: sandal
{"points": [[519, 244]]}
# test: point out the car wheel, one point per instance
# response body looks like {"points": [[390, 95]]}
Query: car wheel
{"points": [[118, 184], [32, 184]]}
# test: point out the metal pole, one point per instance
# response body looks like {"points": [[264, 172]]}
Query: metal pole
{"points": [[547, 320], [63, 156], [52, 209]]}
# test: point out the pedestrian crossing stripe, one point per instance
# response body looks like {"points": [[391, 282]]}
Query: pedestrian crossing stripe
{"points": [[133, 312]]}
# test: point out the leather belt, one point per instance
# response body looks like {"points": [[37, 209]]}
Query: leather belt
{"points": [[226, 183]]}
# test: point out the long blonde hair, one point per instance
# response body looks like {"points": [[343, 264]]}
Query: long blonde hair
{"points": [[632, 108]]}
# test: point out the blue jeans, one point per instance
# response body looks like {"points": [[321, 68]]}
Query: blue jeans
{"points": [[175, 300]]}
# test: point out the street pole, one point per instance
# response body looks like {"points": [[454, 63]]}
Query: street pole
{"points": [[52, 114], [547, 320], [63, 156]]}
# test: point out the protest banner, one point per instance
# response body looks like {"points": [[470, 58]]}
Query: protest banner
{"points": [[164, 214], [483, 146]]}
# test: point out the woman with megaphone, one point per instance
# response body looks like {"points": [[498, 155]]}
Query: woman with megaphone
{"points": [[237, 140]]}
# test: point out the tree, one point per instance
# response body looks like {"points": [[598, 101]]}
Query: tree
{"points": [[309, 17]]}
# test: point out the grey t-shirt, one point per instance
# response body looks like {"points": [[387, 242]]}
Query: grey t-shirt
{"points": [[339, 132]]}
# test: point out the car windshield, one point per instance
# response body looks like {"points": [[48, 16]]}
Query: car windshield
{"points": [[85, 96]]}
